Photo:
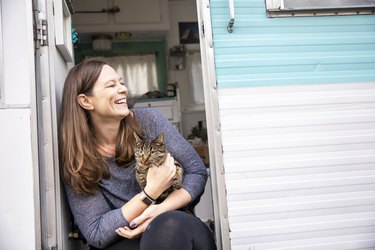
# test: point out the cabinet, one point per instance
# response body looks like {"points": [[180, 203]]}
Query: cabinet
{"points": [[140, 15], [168, 106]]}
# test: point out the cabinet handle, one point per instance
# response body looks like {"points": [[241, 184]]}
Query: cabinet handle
{"points": [[231, 13], [114, 9]]}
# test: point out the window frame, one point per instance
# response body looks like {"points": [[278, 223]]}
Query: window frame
{"points": [[2, 84], [63, 30], [285, 8]]}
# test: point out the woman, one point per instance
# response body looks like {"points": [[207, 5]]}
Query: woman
{"points": [[96, 132]]}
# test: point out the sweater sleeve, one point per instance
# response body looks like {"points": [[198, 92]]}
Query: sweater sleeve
{"points": [[95, 219], [195, 173]]}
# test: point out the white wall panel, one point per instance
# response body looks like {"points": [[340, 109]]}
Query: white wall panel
{"points": [[18, 48], [17, 212], [300, 166]]}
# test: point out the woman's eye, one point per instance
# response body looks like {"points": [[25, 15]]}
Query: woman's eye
{"points": [[123, 84]]}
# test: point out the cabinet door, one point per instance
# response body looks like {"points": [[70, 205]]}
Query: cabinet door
{"points": [[140, 15], [139, 12], [90, 18]]}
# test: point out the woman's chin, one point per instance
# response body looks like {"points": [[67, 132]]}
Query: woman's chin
{"points": [[125, 113]]}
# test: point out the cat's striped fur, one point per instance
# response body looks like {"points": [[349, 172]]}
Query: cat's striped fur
{"points": [[152, 153]]}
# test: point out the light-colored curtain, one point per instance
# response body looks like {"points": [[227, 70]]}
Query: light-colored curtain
{"points": [[139, 72], [194, 68]]}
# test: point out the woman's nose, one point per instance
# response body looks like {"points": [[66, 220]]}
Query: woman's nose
{"points": [[123, 89]]}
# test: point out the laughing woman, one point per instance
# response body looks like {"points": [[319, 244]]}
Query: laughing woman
{"points": [[96, 143]]}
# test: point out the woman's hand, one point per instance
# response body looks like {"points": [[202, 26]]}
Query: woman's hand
{"points": [[140, 223], [177, 199], [160, 178]]}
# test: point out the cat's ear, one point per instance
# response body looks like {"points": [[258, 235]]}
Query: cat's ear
{"points": [[160, 139], [137, 139]]}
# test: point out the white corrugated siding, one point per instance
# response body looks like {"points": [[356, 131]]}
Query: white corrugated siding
{"points": [[300, 166], [298, 128]]}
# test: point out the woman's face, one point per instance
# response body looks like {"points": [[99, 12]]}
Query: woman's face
{"points": [[109, 95]]}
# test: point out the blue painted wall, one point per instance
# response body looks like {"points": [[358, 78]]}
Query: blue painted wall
{"points": [[266, 51]]}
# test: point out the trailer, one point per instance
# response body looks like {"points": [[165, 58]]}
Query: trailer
{"points": [[289, 88], [289, 91]]}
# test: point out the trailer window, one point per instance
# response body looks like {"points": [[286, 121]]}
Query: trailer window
{"points": [[284, 8]]}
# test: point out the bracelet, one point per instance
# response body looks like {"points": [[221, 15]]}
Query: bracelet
{"points": [[153, 200]]}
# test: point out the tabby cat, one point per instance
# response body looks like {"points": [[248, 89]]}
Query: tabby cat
{"points": [[152, 153]]}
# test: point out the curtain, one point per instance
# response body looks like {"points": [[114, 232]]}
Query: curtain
{"points": [[138, 72], [194, 69]]}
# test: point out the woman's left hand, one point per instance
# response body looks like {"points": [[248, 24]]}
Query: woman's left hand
{"points": [[140, 223]]}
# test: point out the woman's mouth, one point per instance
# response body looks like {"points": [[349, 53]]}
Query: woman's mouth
{"points": [[121, 101]]}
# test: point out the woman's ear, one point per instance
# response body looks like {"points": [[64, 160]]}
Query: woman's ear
{"points": [[84, 102]]}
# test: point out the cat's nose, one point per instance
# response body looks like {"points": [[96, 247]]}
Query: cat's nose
{"points": [[144, 160]]}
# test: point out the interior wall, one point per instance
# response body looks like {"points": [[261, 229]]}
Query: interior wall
{"points": [[184, 11]]}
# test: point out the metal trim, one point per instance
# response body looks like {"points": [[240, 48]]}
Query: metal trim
{"points": [[213, 127], [46, 135], [231, 13]]}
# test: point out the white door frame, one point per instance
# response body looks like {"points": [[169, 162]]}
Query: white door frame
{"points": [[47, 131], [213, 126]]}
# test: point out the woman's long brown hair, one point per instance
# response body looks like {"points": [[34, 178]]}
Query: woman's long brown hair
{"points": [[82, 166]]}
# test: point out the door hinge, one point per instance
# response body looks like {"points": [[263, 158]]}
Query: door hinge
{"points": [[41, 30], [202, 25]]}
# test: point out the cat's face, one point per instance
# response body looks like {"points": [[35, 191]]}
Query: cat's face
{"points": [[150, 152]]}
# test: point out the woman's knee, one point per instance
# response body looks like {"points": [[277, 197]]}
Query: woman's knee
{"points": [[171, 220], [177, 230]]}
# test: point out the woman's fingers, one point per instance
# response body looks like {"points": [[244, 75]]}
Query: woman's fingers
{"points": [[169, 163], [126, 232], [160, 178]]}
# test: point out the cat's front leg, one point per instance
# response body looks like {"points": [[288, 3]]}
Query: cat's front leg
{"points": [[141, 176]]}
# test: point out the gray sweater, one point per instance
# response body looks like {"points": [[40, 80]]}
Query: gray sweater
{"points": [[93, 213]]}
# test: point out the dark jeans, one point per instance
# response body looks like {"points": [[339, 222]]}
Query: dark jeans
{"points": [[174, 230]]}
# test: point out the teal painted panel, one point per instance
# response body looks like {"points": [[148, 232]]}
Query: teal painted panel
{"points": [[266, 51]]}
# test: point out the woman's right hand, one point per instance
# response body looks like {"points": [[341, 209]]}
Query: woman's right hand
{"points": [[160, 178]]}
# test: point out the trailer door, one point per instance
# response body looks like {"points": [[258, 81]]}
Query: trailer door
{"points": [[19, 188]]}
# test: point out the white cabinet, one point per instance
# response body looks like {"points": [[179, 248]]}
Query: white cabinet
{"points": [[168, 106], [140, 15]]}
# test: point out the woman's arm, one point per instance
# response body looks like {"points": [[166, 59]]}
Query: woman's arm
{"points": [[98, 221], [95, 219], [158, 180], [177, 199], [195, 172]]}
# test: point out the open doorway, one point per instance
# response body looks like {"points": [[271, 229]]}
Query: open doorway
{"points": [[166, 33]]}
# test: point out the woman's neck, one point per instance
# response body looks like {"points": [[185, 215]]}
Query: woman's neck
{"points": [[106, 137]]}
